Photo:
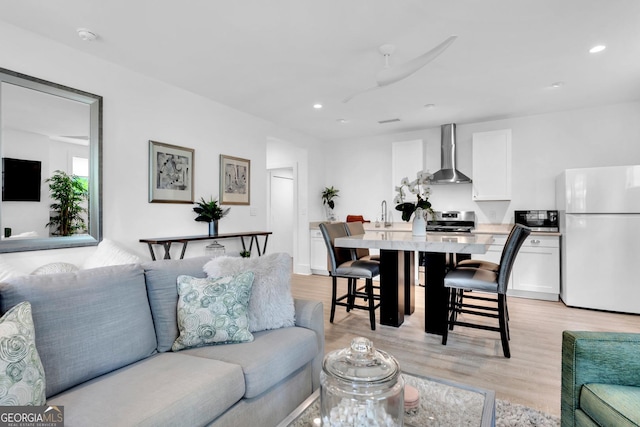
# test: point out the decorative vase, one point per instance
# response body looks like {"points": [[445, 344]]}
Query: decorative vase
{"points": [[331, 216], [213, 228], [419, 227]]}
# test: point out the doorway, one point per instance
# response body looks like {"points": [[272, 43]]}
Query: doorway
{"points": [[281, 209]]}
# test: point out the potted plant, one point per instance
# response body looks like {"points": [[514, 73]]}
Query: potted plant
{"points": [[328, 194], [421, 206], [68, 192], [210, 212]]}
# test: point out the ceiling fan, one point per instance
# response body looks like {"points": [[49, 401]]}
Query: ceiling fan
{"points": [[389, 75]]}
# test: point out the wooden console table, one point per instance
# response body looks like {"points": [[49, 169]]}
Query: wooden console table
{"points": [[167, 241]]}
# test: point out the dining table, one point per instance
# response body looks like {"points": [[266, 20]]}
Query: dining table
{"points": [[397, 270]]}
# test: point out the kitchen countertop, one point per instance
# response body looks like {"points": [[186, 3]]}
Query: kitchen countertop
{"points": [[505, 229], [480, 228], [466, 243]]}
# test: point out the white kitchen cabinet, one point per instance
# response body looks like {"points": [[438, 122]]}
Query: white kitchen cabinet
{"points": [[494, 252], [537, 268], [318, 253], [536, 272], [491, 165], [406, 161]]}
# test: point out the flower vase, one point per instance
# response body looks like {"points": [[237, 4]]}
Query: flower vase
{"points": [[419, 227], [331, 216], [213, 228]]}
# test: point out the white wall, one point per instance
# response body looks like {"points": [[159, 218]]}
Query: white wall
{"points": [[543, 146], [138, 109], [285, 154]]}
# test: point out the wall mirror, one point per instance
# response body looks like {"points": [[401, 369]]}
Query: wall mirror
{"points": [[44, 128]]}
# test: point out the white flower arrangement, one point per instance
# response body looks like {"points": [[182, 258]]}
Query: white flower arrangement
{"points": [[418, 188]]}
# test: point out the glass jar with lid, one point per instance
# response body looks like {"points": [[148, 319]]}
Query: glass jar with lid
{"points": [[213, 250], [361, 385]]}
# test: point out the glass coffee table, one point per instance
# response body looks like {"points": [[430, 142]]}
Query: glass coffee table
{"points": [[442, 402]]}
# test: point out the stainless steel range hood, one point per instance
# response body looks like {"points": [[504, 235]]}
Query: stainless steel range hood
{"points": [[448, 174]]}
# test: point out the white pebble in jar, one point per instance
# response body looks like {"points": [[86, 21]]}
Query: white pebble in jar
{"points": [[350, 413]]}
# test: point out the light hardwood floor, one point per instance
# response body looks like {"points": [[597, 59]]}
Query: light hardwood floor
{"points": [[530, 377]]}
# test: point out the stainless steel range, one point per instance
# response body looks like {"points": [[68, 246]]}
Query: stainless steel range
{"points": [[452, 221]]}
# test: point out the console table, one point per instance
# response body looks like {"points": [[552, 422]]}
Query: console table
{"points": [[166, 242]]}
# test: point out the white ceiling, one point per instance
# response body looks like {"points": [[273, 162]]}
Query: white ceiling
{"points": [[275, 59]]}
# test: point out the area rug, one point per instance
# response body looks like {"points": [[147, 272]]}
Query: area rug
{"points": [[507, 415], [513, 415]]}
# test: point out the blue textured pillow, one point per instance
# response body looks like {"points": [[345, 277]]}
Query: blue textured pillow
{"points": [[213, 310], [22, 380]]}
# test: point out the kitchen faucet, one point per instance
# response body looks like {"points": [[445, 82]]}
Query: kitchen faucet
{"points": [[385, 219]]}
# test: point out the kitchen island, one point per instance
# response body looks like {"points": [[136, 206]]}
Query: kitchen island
{"points": [[397, 256]]}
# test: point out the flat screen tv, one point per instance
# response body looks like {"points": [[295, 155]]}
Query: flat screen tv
{"points": [[21, 180]]}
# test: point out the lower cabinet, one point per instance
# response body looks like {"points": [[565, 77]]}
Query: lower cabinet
{"points": [[537, 269], [536, 273], [317, 253]]}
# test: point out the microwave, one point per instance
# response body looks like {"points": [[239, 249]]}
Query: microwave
{"points": [[538, 220]]}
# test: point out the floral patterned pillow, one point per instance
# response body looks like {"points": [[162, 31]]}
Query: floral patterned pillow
{"points": [[21, 372], [213, 310]]}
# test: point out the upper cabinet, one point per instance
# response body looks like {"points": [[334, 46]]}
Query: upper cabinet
{"points": [[406, 161], [492, 165]]}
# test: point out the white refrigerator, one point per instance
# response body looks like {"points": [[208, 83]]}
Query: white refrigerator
{"points": [[599, 214]]}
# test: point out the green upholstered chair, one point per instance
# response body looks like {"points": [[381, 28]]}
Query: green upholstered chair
{"points": [[600, 379]]}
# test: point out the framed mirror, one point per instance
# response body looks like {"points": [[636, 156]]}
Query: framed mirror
{"points": [[50, 139]]}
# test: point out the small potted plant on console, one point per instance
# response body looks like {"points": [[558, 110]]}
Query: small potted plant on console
{"points": [[210, 212]]}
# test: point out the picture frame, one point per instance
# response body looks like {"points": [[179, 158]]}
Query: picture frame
{"points": [[170, 173], [235, 180]]}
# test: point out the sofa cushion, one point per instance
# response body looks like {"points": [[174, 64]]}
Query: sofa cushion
{"points": [[271, 304], [266, 361], [21, 371], [167, 389], [161, 278], [213, 310], [611, 405], [87, 323]]}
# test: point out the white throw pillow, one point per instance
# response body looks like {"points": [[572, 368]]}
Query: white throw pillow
{"points": [[7, 271], [271, 303], [109, 253], [55, 267]]}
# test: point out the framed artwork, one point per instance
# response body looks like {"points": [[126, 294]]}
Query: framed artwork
{"points": [[234, 180], [170, 173]]}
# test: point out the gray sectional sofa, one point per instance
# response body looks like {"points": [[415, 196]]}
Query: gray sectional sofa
{"points": [[104, 336]]}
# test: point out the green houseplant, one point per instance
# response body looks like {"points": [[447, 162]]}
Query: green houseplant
{"points": [[328, 194], [210, 212], [68, 192]]}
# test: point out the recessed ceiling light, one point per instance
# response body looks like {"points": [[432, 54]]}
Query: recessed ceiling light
{"points": [[557, 85], [86, 35], [317, 106], [342, 120], [598, 48]]}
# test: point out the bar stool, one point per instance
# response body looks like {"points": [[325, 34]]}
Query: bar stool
{"points": [[354, 229], [464, 279], [343, 264]]}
